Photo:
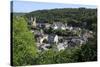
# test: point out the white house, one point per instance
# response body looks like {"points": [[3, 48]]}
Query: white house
{"points": [[58, 25], [56, 39], [55, 27], [63, 28], [43, 38], [60, 46], [45, 46]]}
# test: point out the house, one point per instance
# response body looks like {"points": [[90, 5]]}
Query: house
{"points": [[54, 26], [86, 35], [38, 33], [40, 25], [56, 39], [44, 37], [60, 46], [60, 38], [65, 43], [69, 28], [52, 38], [47, 25], [63, 28], [45, 46], [58, 25], [43, 24]]}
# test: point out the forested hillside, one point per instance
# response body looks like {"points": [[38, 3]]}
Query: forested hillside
{"points": [[74, 16], [18, 14]]}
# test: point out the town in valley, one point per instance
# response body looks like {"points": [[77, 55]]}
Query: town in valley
{"points": [[58, 36]]}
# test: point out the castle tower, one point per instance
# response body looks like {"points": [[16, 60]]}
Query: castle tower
{"points": [[34, 22]]}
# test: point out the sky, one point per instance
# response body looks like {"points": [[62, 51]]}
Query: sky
{"points": [[28, 6]]}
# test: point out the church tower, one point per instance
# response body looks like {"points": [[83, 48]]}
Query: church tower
{"points": [[33, 22]]}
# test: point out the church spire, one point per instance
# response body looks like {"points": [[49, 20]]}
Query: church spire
{"points": [[34, 22]]}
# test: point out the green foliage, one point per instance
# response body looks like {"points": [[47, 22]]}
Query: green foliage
{"points": [[24, 48], [53, 57], [89, 51], [46, 57], [63, 15]]}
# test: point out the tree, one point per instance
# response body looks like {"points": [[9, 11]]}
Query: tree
{"points": [[24, 48]]}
